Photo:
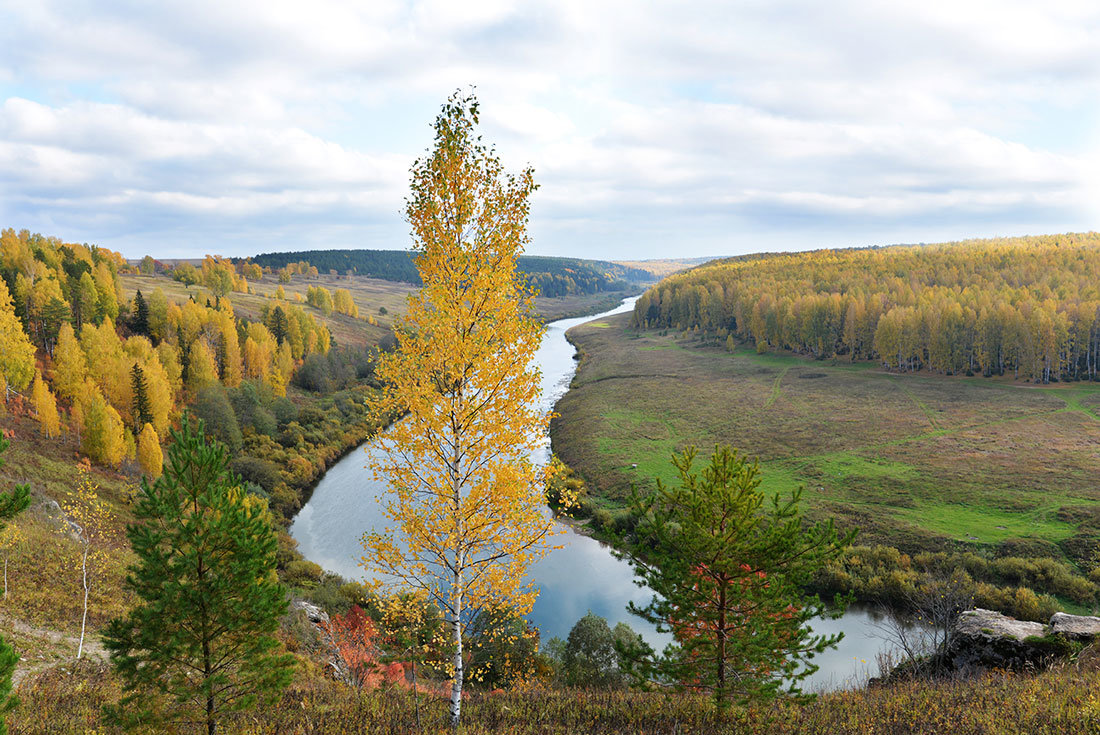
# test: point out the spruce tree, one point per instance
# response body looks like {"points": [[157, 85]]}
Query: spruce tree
{"points": [[11, 503], [278, 324], [141, 315], [200, 642], [143, 413]]}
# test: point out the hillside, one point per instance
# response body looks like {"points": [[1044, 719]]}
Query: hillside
{"points": [[1027, 307], [550, 276], [975, 470]]}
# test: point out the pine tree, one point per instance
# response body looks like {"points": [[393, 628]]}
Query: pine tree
{"points": [[140, 323], [142, 412], [12, 503], [278, 324], [200, 643], [729, 572]]}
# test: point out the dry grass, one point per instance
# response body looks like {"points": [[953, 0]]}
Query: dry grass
{"points": [[1061, 701]]}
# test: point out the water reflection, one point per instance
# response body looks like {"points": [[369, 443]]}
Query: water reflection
{"points": [[582, 576]]}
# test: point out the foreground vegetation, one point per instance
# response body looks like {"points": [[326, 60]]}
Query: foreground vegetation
{"points": [[1048, 703], [950, 473]]}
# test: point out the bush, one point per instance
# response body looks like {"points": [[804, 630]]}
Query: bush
{"points": [[314, 375], [249, 406], [284, 410], [259, 471], [213, 407], [302, 573]]}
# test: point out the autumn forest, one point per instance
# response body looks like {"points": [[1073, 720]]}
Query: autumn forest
{"points": [[1026, 307]]}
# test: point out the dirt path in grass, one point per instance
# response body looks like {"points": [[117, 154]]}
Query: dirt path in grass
{"points": [[43, 648]]}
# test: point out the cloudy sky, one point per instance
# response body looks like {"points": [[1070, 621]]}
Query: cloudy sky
{"points": [[656, 129]]}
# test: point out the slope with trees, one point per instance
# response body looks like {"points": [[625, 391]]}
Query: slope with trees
{"points": [[1024, 307], [547, 276]]}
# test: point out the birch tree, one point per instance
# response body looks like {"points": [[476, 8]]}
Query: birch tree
{"points": [[92, 520], [466, 500]]}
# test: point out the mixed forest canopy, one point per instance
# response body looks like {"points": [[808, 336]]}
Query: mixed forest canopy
{"points": [[549, 276], [118, 373], [1028, 307]]}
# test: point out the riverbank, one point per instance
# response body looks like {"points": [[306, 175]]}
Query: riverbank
{"points": [[948, 471]]}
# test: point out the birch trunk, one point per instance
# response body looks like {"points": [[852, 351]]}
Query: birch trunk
{"points": [[84, 619], [456, 684]]}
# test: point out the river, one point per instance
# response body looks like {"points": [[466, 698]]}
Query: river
{"points": [[582, 576]]}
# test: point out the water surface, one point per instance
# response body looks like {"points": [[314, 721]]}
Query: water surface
{"points": [[583, 576]]}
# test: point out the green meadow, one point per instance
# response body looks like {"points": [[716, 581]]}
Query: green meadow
{"points": [[916, 461]]}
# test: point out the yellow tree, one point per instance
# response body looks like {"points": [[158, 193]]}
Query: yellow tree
{"points": [[70, 369], [149, 454], [202, 370], [93, 521], [466, 500], [16, 350], [45, 407], [104, 438]]}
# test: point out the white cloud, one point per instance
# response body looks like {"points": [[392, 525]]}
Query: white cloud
{"points": [[733, 127]]}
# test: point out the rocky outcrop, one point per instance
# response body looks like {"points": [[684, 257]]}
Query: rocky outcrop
{"points": [[984, 639], [334, 663], [1075, 627]]}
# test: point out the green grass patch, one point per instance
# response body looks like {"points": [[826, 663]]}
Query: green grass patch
{"points": [[916, 461]]}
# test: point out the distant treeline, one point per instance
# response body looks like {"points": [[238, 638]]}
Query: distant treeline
{"points": [[551, 276], [1028, 306]]}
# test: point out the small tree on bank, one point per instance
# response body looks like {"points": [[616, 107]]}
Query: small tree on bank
{"points": [[466, 499], [729, 572], [201, 640]]}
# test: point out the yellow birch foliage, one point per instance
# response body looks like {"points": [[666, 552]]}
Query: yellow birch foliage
{"points": [[95, 526], [202, 370], [45, 407], [70, 369], [466, 501], [173, 371], [149, 454], [16, 350], [111, 365], [344, 303], [103, 441]]}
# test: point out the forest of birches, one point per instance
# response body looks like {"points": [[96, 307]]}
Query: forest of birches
{"points": [[1025, 307]]}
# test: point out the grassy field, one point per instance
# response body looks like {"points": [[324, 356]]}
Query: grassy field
{"points": [[915, 461]]}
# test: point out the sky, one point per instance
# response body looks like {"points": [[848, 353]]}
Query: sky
{"points": [[656, 129]]}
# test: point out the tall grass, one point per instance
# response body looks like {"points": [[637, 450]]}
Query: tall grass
{"points": [[1065, 700]]}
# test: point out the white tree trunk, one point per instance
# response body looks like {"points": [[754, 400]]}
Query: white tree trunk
{"points": [[5, 576], [84, 619], [456, 684]]}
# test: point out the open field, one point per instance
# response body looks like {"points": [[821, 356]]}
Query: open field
{"points": [[918, 462], [371, 295]]}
